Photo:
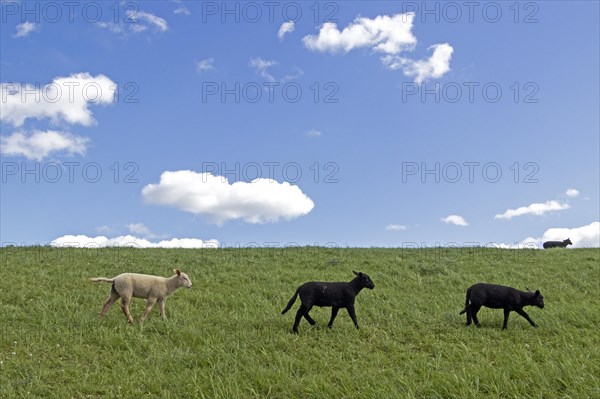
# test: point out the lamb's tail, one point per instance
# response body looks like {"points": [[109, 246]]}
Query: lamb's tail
{"points": [[290, 303], [103, 279], [467, 300]]}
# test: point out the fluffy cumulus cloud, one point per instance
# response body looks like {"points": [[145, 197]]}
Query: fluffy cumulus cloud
{"points": [[455, 219], [584, 236], [41, 144], [384, 33], [285, 28], [536, 209], [83, 241], [572, 193], [260, 201], [64, 99], [421, 70], [26, 28], [390, 35]]}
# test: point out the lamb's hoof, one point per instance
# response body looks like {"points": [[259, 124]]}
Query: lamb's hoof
{"points": [[329, 325], [534, 325], [295, 331], [467, 324]]}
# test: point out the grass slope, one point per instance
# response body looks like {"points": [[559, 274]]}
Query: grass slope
{"points": [[225, 338]]}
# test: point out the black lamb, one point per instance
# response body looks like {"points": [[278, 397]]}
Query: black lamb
{"points": [[336, 295], [500, 297], [557, 244]]}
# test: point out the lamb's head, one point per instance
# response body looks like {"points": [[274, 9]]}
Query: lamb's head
{"points": [[365, 281], [537, 299], [568, 241], [184, 280]]}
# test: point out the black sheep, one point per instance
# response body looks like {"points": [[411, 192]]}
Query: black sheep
{"points": [[500, 297], [557, 244], [336, 295]]}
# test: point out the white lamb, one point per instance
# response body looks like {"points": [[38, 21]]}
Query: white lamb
{"points": [[153, 288]]}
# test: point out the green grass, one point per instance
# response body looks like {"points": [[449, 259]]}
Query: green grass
{"points": [[226, 338]]}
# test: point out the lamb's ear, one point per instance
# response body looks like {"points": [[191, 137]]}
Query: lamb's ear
{"points": [[177, 271], [355, 272], [537, 293]]}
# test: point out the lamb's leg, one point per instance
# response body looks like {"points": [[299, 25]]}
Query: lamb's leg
{"points": [[309, 319], [125, 307], [161, 306], [352, 314], [149, 303], [474, 311], [506, 314], [469, 316], [334, 312], [299, 314], [526, 316], [109, 302]]}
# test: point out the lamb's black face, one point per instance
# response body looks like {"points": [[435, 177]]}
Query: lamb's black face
{"points": [[367, 282], [539, 300]]}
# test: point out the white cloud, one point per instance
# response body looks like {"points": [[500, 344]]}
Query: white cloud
{"points": [[584, 236], [390, 35], [433, 67], [144, 19], [112, 26], [261, 67], [296, 73], [137, 22], [455, 219], [140, 229], [395, 227], [66, 98], [572, 193], [260, 201], [537, 209], [82, 241], [40, 145], [205, 65], [286, 27], [386, 34], [26, 28], [313, 133], [181, 8]]}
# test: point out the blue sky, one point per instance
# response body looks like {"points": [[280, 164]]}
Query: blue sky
{"points": [[379, 123]]}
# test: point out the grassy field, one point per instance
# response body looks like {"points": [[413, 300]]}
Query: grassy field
{"points": [[226, 338]]}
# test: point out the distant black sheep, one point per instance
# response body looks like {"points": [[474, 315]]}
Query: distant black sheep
{"points": [[500, 297], [557, 244], [336, 295]]}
